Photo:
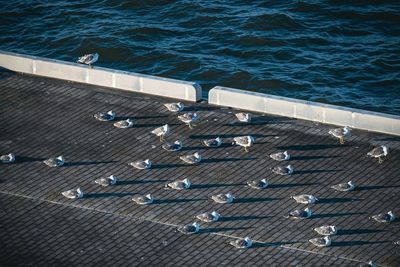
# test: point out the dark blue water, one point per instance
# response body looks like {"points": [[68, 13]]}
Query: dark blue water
{"points": [[326, 51]]}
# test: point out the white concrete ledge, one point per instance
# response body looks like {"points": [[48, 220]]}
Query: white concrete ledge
{"points": [[306, 110], [130, 81]]}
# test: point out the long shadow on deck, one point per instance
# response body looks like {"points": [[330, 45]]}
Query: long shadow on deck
{"points": [[105, 195], [242, 218], [206, 186], [291, 185], [311, 147], [337, 200], [172, 201], [331, 215], [356, 243], [84, 163], [255, 199], [358, 231], [221, 229], [128, 182]]}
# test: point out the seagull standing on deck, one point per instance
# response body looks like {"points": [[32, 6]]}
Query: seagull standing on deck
{"points": [[321, 241], [88, 59], [105, 116], [128, 123], [176, 146], [9, 158], [141, 164], [189, 229], [258, 184], [111, 180], [73, 193], [300, 214], [243, 117], [161, 132], [340, 133], [244, 141], [189, 118], [54, 162], [384, 217], [179, 185], [216, 142], [223, 198], [242, 243], [280, 170], [143, 200], [326, 230], [305, 199], [192, 159], [208, 216], [174, 107], [280, 156], [344, 187], [379, 152]]}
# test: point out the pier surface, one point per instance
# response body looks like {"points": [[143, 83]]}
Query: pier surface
{"points": [[43, 118]]}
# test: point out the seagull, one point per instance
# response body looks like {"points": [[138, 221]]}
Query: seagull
{"points": [[384, 217], [242, 243], [280, 156], [243, 117], [305, 199], [326, 230], [288, 170], [191, 159], [111, 180], [369, 264], [179, 185], [216, 142], [344, 187], [10, 158], [223, 198], [176, 146], [105, 116], [174, 107], [321, 241], [73, 193], [208, 216], [189, 118], [189, 229], [300, 214], [397, 243], [161, 131], [143, 200], [378, 152], [340, 133], [244, 141], [54, 162], [128, 123], [258, 184], [141, 165], [88, 59]]}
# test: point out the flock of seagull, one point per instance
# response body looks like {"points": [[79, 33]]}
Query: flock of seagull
{"points": [[246, 142]]}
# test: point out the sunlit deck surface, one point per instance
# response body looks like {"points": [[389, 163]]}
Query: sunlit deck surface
{"points": [[43, 118]]}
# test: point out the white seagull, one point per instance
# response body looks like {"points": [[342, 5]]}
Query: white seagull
{"points": [[73, 193], [340, 133], [379, 152], [189, 118], [9, 158], [258, 184], [107, 181], [223, 198], [143, 200], [242, 243], [105, 116], [192, 159], [128, 123], [54, 162], [305, 199], [216, 142], [244, 141], [141, 164], [88, 59], [280, 156], [208, 216], [326, 230], [189, 229], [243, 117], [344, 187], [384, 217], [174, 107], [176, 146], [179, 185], [161, 131], [300, 214], [288, 170], [321, 241]]}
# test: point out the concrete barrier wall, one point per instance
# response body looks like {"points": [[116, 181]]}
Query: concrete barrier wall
{"points": [[101, 76], [294, 108]]}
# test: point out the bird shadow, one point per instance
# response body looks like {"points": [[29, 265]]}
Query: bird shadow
{"points": [[206, 186], [119, 118], [105, 195], [83, 163], [257, 199], [243, 218], [273, 244], [221, 229], [358, 231], [167, 166], [210, 136], [225, 160], [128, 182], [171, 201], [199, 108], [331, 215], [374, 187], [20, 159], [397, 138], [355, 243], [291, 185], [337, 200], [310, 147], [314, 171], [152, 125], [312, 157], [224, 145]]}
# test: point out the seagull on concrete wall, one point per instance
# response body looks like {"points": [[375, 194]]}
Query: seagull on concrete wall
{"points": [[88, 59]]}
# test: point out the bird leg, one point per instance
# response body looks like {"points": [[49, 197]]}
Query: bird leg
{"points": [[161, 138], [380, 160], [341, 140], [245, 149], [190, 125]]}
